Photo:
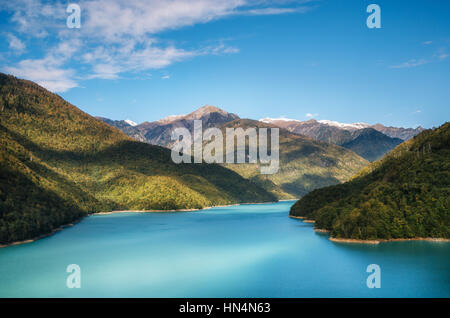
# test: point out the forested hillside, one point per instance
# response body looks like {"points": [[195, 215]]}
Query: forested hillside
{"points": [[57, 164], [404, 195]]}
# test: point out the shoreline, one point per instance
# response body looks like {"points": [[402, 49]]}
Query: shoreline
{"points": [[62, 227], [145, 211], [298, 217], [429, 239], [354, 241], [302, 218], [176, 210], [321, 230], [372, 242], [31, 240]]}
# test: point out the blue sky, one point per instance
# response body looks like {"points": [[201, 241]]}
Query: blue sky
{"points": [[144, 60]]}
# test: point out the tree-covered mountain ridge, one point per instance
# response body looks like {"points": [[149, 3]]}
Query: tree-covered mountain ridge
{"points": [[304, 163], [404, 195], [58, 164]]}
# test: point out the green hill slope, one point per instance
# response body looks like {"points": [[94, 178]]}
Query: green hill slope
{"points": [[57, 164], [305, 164], [404, 195]]}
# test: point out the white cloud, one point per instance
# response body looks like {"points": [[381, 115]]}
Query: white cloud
{"points": [[15, 43], [165, 76], [105, 71], [411, 63], [114, 19], [117, 18], [45, 73], [108, 63], [427, 42], [221, 48], [34, 17], [274, 11], [439, 56], [310, 115], [120, 36], [49, 71]]}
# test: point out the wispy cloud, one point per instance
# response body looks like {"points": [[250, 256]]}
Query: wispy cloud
{"points": [[439, 56], [274, 11], [49, 71], [108, 63], [121, 36], [15, 43], [46, 73], [411, 63], [36, 17], [311, 115], [115, 18]]}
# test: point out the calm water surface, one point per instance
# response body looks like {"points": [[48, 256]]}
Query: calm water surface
{"points": [[239, 251]]}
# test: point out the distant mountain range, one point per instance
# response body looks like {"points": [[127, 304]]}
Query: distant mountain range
{"points": [[404, 195], [371, 142], [159, 132], [338, 133], [306, 164]]}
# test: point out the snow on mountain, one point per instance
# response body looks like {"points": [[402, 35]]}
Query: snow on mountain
{"points": [[271, 120], [345, 126], [130, 122], [171, 118]]}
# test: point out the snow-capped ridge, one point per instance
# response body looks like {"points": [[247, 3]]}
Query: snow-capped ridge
{"points": [[130, 122], [269, 120], [344, 125], [171, 118]]}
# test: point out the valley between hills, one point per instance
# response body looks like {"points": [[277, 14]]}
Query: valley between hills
{"points": [[59, 164]]}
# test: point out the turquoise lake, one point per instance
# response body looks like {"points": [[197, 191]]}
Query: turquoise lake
{"points": [[239, 251]]}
